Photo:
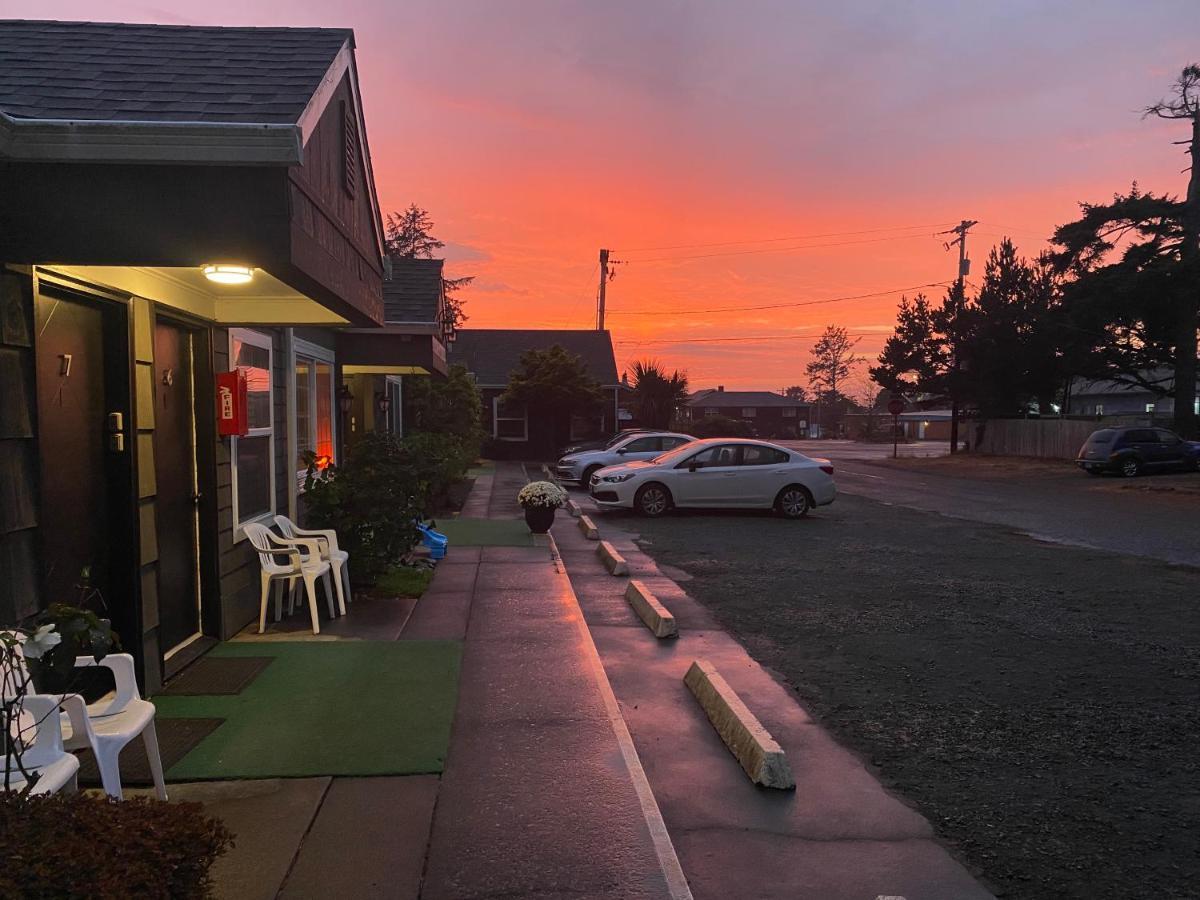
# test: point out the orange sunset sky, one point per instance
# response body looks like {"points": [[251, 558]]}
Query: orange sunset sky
{"points": [[538, 132]]}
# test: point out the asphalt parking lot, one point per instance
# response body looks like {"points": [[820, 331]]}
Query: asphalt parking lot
{"points": [[1036, 701]]}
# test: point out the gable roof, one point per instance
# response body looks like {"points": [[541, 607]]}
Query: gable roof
{"points": [[115, 92], [413, 293], [492, 353], [162, 73], [717, 398]]}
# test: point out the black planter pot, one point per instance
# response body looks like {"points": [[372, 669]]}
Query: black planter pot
{"points": [[539, 518]]}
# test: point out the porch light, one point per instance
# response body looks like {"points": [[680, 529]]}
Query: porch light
{"points": [[345, 398], [383, 402], [223, 274]]}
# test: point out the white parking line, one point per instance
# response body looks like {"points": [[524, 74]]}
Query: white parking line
{"points": [[860, 474]]}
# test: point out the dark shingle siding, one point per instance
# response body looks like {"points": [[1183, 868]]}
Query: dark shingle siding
{"points": [[162, 73], [414, 291], [492, 353]]}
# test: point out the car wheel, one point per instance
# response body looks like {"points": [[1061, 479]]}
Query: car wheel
{"points": [[1130, 467], [652, 500], [793, 502], [588, 473]]}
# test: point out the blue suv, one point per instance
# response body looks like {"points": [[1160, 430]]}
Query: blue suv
{"points": [[1132, 451]]}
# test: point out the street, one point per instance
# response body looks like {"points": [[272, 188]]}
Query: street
{"points": [[1152, 516]]}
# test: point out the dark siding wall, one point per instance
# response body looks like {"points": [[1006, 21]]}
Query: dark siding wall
{"points": [[19, 595]]}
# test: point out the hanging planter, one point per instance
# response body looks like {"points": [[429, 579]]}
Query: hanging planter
{"points": [[540, 500]]}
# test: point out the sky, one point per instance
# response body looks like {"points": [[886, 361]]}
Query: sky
{"points": [[736, 154]]}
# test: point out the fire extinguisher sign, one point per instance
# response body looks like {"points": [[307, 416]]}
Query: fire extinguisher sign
{"points": [[231, 404]]}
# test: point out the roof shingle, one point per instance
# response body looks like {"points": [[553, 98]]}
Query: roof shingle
{"points": [[98, 71], [493, 353], [413, 293]]}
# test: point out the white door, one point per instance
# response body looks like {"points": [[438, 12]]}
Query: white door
{"points": [[763, 471], [710, 478]]}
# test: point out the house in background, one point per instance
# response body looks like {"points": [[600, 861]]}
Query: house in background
{"points": [[491, 355], [418, 325], [768, 413], [175, 202], [1104, 397]]}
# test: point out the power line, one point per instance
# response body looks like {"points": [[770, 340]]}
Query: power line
{"points": [[738, 340], [716, 309], [795, 237], [894, 237]]}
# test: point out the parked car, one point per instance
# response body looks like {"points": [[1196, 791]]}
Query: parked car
{"points": [[602, 443], [636, 445], [1131, 451], [718, 472]]}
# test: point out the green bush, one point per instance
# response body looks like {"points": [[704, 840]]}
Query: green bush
{"points": [[439, 460], [79, 845], [371, 500]]}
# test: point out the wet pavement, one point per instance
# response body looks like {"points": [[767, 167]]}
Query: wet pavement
{"points": [[840, 834]]}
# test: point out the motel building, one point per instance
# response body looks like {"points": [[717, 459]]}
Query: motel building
{"points": [[176, 204]]}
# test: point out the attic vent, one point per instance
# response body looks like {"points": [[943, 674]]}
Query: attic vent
{"points": [[349, 152]]}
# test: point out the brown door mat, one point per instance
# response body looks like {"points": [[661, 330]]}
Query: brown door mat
{"points": [[176, 738], [217, 675]]}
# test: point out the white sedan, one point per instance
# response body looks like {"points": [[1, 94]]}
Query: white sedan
{"points": [[718, 472], [580, 466]]}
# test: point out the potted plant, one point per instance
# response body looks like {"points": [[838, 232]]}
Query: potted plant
{"points": [[540, 499]]}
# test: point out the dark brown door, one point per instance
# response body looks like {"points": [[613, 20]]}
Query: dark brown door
{"points": [[81, 454], [175, 470]]}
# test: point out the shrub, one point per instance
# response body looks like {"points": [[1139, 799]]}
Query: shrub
{"points": [[79, 845], [440, 460], [371, 500], [721, 426]]}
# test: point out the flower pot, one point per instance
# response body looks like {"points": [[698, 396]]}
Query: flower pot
{"points": [[539, 518]]}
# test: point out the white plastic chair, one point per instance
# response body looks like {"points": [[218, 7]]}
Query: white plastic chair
{"points": [[107, 726], [327, 542], [303, 562], [39, 729]]}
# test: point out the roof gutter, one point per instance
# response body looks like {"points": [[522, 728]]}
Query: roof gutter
{"points": [[108, 141]]}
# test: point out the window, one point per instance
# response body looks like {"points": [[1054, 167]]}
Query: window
{"points": [[395, 392], [711, 457], [643, 445], [789, 412], [749, 412], [1149, 407], [252, 472], [670, 443], [510, 422], [1169, 437], [1099, 409], [762, 456], [315, 404], [711, 411]]}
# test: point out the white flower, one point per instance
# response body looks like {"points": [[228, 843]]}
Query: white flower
{"points": [[542, 493], [41, 642]]}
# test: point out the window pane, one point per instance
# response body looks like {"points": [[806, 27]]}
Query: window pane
{"points": [[253, 476], [255, 363], [304, 424], [324, 424], [510, 428]]}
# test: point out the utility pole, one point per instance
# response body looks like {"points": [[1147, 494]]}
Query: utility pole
{"points": [[600, 296], [964, 267]]}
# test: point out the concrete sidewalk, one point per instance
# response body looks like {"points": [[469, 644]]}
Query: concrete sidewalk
{"points": [[839, 836], [538, 797]]}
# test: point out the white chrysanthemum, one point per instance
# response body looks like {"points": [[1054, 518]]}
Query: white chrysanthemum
{"points": [[542, 493]]}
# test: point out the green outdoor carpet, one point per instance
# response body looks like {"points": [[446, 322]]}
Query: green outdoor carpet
{"points": [[486, 532], [327, 708], [476, 471]]}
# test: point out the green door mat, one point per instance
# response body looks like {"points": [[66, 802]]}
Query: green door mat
{"points": [[327, 708], [485, 532]]}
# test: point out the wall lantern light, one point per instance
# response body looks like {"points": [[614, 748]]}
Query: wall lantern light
{"points": [[345, 398], [223, 274], [383, 403]]}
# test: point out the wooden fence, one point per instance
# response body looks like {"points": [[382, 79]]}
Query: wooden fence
{"points": [[1049, 438]]}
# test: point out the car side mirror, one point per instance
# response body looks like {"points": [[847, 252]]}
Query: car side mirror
{"points": [[692, 467]]}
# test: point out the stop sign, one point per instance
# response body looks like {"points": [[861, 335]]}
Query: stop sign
{"points": [[896, 406]]}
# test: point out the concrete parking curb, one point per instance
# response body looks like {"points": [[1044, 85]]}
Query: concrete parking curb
{"points": [[656, 616], [573, 509], [613, 561], [588, 528], [751, 744]]}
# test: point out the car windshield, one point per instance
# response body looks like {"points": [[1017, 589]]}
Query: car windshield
{"points": [[678, 454], [1103, 436]]}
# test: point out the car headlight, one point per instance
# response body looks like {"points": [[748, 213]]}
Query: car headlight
{"points": [[617, 479]]}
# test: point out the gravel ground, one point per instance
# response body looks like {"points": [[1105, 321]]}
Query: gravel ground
{"points": [[1037, 703]]}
